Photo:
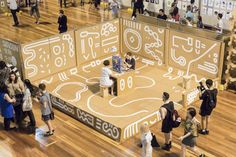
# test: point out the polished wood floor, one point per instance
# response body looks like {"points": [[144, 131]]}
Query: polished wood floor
{"points": [[80, 16], [73, 139]]}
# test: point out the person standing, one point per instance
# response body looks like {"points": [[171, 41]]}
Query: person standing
{"points": [[27, 105], [166, 112], [199, 22], [12, 4], [174, 11], [46, 108], [146, 140], [16, 90], [62, 21], [190, 133], [220, 23], [61, 3], [189, 13], [161, 15], [6, 107], [137, 5], [35, 10], [209, 100]]}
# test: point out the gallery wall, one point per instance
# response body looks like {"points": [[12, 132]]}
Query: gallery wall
{"points": [[143, 40], [194, 54], [97, 41], [188, 53], [10, 53], [88, 46], [209, 7], [49, 56]]}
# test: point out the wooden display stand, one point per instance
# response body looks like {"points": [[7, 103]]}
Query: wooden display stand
{"points": [[125, 82]]}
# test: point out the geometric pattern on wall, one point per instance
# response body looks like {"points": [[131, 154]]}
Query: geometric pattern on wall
{"points": [[143, 40], [194, 54], [97, 41], [49, 56]]}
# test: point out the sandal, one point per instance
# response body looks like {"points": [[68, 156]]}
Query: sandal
{"points": [[48, 134], [49, 131]]}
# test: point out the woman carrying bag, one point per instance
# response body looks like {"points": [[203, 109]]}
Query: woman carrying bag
{"points": [[16, 90], [6, 107], [27, 104]]}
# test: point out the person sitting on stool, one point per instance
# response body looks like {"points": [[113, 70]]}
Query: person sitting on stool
{"points": [[129, 61], [106, 78]]}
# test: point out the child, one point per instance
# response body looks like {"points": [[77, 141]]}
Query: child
{"points": [[146, 140]]}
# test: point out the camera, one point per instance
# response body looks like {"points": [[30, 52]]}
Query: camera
{"points": [[201, 87]]}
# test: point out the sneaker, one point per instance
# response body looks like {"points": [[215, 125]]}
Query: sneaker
{"points": [[207, 132], [133, 18], [49, 131], [166, 147], [203, 132], [48, 134]]}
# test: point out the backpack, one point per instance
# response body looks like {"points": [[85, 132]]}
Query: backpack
{"points": [[211, 99], [176, 121]]}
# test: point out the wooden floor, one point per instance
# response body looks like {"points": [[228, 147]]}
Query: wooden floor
{"points": [[49, 10], [73, 139]]}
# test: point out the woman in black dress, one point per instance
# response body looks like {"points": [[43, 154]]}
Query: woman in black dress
{"points": [[62, 21], [166, 111], [206, 108]]}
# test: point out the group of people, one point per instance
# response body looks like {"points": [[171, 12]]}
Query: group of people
{"points": [[189, 19], [192, 11], [192, 127], [107, 79], [16, 101], [34, 11]]}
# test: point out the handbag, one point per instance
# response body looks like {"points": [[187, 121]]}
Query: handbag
{"points": [[154, 142], [27, 104], [52, 116]]}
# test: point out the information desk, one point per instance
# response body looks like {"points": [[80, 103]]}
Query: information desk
{"points": [[125, 81]]}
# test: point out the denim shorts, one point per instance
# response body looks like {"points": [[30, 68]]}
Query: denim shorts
{"points": [[46, 117]]}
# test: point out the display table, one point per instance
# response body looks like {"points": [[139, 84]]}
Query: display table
{"points": [[125, 81]]}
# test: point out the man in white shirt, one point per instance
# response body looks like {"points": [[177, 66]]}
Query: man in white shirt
{"points": [[105, 76], [12, 4], [220, 23]]}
